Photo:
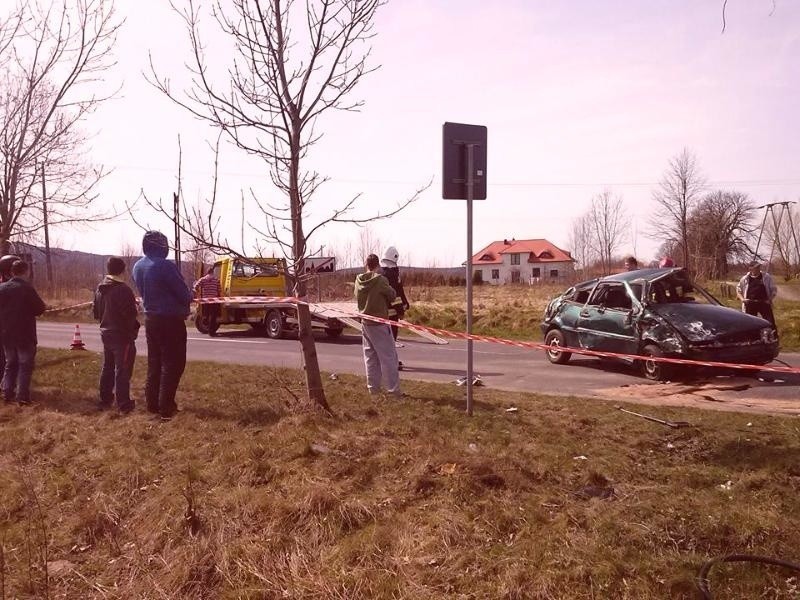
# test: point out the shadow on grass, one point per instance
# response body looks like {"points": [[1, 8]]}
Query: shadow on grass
{"points": [[744, 455], [60, 360], [65, 402], [244, 416], [458, 404]]}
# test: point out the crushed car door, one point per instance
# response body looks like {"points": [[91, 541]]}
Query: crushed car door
{"points": [[606, 321]]}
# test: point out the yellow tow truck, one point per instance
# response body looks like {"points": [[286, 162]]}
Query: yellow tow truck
{"points": [[261, 277]]}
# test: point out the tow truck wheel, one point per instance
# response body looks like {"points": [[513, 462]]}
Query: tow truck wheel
{"points": [[555, 339], [652, 370], [274, 324], [201, 323]]}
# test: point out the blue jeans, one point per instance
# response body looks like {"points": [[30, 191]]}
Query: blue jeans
{"points": [[20, 359], [115, 378]]}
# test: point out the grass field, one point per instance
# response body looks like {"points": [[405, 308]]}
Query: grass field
{"points": [[247, 494]]}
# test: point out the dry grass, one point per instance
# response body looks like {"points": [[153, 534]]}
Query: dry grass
{"points": [[248, 495]]}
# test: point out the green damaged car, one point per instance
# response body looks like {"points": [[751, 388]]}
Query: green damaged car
{"points": [[654, 312]]}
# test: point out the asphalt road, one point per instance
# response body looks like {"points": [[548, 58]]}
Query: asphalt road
{"points": [[500, 367]]}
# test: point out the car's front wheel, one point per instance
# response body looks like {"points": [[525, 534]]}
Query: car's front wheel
{"points": [[655, 370], [555, 340]]}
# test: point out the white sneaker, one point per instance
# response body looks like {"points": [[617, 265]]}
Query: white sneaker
{"points": [[399, 345]]}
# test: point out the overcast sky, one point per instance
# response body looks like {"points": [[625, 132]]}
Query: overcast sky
{"points": [[577, 96]]}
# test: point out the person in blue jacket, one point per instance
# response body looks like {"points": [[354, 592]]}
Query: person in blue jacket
{"points": [[166, 299]]}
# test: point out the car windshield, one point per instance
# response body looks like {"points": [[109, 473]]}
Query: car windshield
{"points": [[677, 288], [254, 270]]}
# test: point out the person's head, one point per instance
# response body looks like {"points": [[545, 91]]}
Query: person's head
{"points": [[754, 267], [19, 268], [666, 262], [630, 262], [115, 266], [155, 244], [372, 262], [5, 264], [211, 270], [390, 257]]}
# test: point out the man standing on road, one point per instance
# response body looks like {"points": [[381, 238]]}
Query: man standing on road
{"points": [[19, 307], [757, 290], [374, 296], [115, 307], [166, 299], [631, 264], [208, 286]]}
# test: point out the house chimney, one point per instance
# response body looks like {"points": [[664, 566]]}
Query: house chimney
{"points": [[505, 242]]}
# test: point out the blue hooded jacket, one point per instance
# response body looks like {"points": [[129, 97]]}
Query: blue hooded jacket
{"points": [[163, 290]]}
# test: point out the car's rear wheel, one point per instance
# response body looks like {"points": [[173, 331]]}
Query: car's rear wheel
{"points": [[555, 340], [655, 370]]}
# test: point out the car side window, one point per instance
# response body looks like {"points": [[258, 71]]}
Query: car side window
{"points": [[611, 296]]}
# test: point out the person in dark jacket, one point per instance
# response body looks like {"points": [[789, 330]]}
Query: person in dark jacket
{"points": [[400, 305], [115, 307], [19, 307], [166, 299], [5, 275]]}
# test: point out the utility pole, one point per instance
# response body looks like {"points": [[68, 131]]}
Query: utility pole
{"points": [[48, 263]]}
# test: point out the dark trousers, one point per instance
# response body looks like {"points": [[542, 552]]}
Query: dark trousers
{"points": [[20, 359], [166, 360], [115, 378], [395, 328], [211, 312], [760, 309]]}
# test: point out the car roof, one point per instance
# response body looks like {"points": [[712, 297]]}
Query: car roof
{"points": [[637, 275]]}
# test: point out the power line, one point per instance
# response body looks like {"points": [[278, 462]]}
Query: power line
{"points": [[747, 182]]}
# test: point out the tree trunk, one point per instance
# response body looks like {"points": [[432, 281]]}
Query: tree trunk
{"points": [[316, 393]]}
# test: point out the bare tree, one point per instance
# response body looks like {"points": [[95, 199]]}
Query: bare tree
{"points": [[269, 101], [720, 229], [580, 242], [50, 57], [607, 225], [679, 191]]}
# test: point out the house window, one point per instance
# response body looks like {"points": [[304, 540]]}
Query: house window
{"points": [[515, 275], [537, 272], [553, 272], [515, 259], [495, 273], [477, 275]]}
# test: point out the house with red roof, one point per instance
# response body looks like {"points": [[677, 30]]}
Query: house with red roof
{"points": [[523, 261]]}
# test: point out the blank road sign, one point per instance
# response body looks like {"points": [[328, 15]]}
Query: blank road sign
{"points": [[455, 139]]}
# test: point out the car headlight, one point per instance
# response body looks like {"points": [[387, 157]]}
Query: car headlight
{"points": [[769, 335]]}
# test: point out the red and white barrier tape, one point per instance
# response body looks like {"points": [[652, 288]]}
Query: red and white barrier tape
{"points": [[485, 338], [62, 308], [585, 351]]}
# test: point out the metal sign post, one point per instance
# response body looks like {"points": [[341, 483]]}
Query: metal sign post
{"points": [[464, 178]]}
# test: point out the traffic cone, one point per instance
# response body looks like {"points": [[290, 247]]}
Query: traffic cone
{"points": [[77, 343]]}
